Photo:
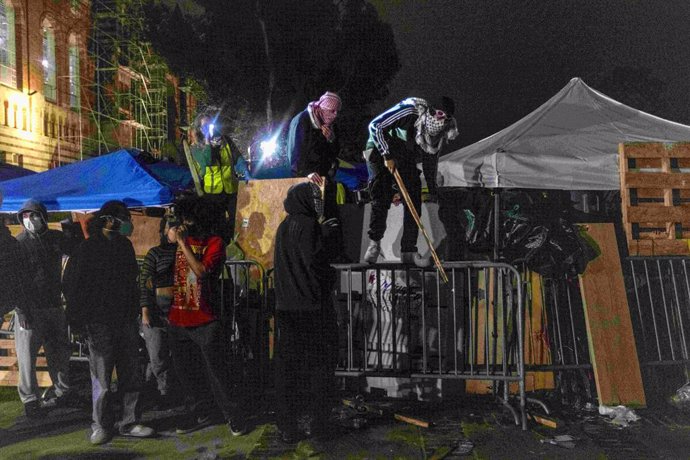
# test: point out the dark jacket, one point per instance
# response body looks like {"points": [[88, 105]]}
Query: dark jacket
{"points": [[100, 282], [42, 256], [309, 150], [303, 276], [392, 135], [12, 275]]}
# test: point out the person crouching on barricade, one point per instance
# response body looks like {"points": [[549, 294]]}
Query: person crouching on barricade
{"points": [[198, 342], [100, 285], [411, 132], [306, 337]]}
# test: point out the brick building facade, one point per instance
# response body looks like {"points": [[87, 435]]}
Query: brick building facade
{"points": [[51, 106]]}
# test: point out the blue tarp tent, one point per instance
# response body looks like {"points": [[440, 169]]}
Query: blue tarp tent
{"points": [[86, 185], [8, 172]]}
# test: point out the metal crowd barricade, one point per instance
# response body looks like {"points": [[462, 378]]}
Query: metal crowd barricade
{"points": [[244, 300], [403, 321], [660, 308]]}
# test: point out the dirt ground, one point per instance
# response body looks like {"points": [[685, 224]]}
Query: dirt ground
{"points": [[467, 427]]}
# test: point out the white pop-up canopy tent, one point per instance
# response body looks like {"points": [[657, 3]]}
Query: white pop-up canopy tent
{"points": [[569, 143]]}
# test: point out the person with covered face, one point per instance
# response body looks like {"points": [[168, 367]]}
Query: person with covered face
{"points": [[41, 321], [198, 340], [306, 330], [102, 293], [156, 281], [313, 146], [411, 132]]}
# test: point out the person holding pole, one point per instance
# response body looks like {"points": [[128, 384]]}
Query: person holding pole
{"points": [[411, 132]]}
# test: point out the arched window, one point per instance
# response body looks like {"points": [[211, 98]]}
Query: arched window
{"points": [[74, 83], [8, 56], [48, 63]]}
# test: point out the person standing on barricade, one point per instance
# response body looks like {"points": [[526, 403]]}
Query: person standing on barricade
{"points": [[41, 320], [100, 284], [156, 285], [199, 342], [306, 337], [313, 147], [409, 133]]}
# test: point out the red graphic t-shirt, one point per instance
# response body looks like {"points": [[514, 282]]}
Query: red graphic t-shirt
{"points": [[193, 297]]}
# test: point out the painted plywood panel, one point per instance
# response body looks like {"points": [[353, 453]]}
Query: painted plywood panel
{"points": [[609, 329], [259, 212]]}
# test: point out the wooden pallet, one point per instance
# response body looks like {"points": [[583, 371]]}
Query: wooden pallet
{"points": [[655, 195], [9, 370]]}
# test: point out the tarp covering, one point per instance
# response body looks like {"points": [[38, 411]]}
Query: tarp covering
{"points": [[86, 185], [569, 143], [8, 172]]}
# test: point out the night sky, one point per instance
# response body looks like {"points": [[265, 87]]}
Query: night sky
{"points": [[502, 59]]}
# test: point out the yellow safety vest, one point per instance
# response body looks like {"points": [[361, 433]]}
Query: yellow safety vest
{"points": [[220, 178]]}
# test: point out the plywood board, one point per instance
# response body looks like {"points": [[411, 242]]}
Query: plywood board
{"points": [[609, 330], [259, 212]]}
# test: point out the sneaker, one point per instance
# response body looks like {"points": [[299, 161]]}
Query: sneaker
{"points": [[237, 427], [137, 431], [100, 436], [373, 252], [193, 424], [415, 258]]}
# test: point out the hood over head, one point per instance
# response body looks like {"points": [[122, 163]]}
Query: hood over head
{"points": [[33, 205], [300, 200]]}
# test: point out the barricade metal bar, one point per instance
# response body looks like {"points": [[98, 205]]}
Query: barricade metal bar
{"points": [[438, 319], [651, 308], [663, 298], [378, 320], [572, 321], [554, 293], [637, 299], [683, 344], [455, 323], [503, 317], [394, 324]]}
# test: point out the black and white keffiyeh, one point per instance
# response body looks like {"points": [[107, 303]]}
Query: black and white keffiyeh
{"points": [[431, 132]]}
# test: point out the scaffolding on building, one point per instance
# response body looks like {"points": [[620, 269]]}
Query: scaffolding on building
{"points": [[129, 89]]}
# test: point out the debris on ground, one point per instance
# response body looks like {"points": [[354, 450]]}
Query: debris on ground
{"points": [[563, 440], [620, 415], [682, 395], [548, 421]]}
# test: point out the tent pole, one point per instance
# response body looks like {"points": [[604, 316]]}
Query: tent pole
{"points": [[497, 223]]}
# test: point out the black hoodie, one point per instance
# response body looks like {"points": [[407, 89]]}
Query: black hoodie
{"points": [[303, 276], [42, 255]]}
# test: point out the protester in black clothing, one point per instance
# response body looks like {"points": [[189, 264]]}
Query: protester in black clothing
{"points": [[102, 297], [306, 337], [156, 287], [409, 133], [313, 146], [41, 321], [12, 273]]}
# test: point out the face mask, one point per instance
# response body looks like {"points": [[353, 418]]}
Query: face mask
{"points": [[126, 228], [28, 225], [34, 223]]}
